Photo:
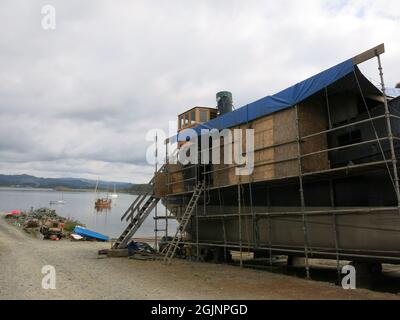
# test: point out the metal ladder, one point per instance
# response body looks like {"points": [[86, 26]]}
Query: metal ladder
{"points": [[142, 206], [173, 246], [136, 222]]}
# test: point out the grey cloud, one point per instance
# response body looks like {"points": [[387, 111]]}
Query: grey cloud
{"points": [[79, 100]]}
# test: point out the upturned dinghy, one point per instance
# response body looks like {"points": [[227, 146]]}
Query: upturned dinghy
{"points": [[86, 233]]}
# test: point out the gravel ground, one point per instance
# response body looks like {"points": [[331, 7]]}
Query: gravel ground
{"points": [[81, 274]]}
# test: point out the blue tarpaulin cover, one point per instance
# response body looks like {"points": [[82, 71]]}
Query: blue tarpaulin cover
{"points": [[282, 100], [393, 92]]}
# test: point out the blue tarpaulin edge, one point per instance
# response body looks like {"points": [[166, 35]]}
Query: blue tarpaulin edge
{"points": [[393, 92], [280, 101]]}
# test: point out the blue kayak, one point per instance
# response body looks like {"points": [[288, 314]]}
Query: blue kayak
{"points": [[90, 234]]}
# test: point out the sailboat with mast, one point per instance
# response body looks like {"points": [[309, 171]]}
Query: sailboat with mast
{"points": [[60, 201], [115, 194], [101, 202]]}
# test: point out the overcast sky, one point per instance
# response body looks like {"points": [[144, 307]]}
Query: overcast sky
{"points": [[77, 101]]}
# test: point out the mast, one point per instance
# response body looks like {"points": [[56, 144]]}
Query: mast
{"points": [[96, 195]]}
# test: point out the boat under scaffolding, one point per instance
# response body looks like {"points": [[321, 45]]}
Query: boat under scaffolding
{"points": [[325, 182]]}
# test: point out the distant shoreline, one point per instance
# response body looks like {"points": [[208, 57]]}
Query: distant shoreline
{"points": [[62, 190]]}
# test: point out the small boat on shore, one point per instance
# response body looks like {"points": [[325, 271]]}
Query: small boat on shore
{"points": [[89, 234]]}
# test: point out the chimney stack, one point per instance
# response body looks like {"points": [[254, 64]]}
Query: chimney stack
{"points": [[225, 104]]}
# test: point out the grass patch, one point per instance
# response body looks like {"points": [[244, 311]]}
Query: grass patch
{"points": [[71, 224]]}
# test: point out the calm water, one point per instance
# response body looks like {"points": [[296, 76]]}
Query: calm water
{"points": [[80, 206]]}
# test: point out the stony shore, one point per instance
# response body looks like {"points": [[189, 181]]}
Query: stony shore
{"points": [[81, 274]]}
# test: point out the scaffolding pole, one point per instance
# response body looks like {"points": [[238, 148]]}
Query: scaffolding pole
{"points": [[223, 225], [332, 196], [390, 132], [335, 230], [301, 178], [269, 229], [225, 242], [254, 219], [240, 226], [245, 219], [197, 234], [155, 209], [354, 210], [270, 241], [320, 251], [262, 163], [166, 199], [301, 191]]}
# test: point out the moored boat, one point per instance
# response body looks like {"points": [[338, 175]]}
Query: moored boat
{"points": [[115, 194], [102, 202], [60, 201]]}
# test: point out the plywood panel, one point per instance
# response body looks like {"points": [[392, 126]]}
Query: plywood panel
{"points": [[160, 185], [175, 177], [284, 126], [285, 136], [276, 148], [313, 119]]}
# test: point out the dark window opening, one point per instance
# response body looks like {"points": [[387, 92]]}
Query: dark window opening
{"points": [[349, 138], [371, 104], [193, 117], [203, 116]]}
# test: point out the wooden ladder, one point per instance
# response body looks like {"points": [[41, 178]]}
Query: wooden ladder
{"points": [[173, 245]]}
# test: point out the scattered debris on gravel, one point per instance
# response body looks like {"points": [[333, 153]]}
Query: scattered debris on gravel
{"points": [[46, 222]]}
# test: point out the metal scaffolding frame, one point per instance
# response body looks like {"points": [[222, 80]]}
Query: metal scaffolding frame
{"points": [[304, 213]]}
